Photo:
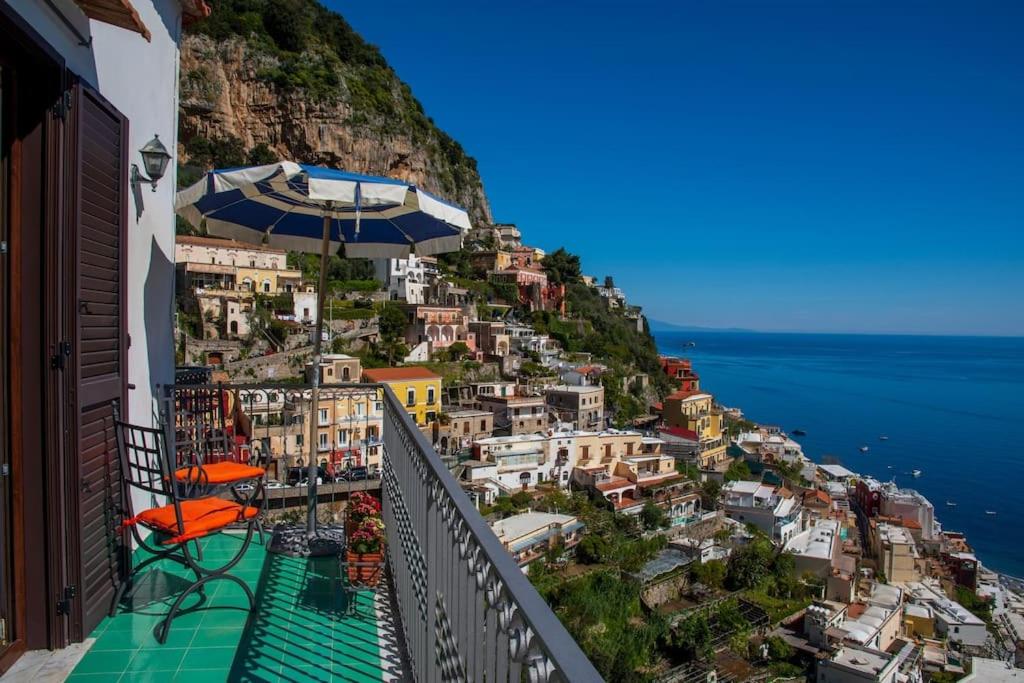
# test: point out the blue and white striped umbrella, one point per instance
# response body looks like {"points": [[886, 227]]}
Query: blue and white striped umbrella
{"points": [[284, 205]]}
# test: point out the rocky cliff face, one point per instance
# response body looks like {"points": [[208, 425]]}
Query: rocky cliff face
{"points": [[232, 88]]}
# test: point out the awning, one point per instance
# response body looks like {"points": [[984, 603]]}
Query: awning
{"points": [[118, 13]]}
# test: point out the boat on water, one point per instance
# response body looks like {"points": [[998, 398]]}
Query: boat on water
{"points": [[864, 449], [950, 504], [915, 473], [990, 512], [799, 432], [883, 438], [691, 344]]}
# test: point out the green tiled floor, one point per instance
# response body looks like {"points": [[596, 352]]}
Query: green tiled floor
{"points": [[302, 629]]}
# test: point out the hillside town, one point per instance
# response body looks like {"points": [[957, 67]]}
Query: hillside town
{"points": [[743, 558]]}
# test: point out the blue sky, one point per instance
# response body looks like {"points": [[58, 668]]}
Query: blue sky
{"points": [[818, 166]]}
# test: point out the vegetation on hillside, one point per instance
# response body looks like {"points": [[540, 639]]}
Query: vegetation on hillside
{"points": [[607, 334], [305, 47]]}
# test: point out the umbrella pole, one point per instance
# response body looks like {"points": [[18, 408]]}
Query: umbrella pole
{"points": [[315, 402]]}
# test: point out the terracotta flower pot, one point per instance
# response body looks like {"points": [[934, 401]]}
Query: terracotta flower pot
{"points": [[364, 568]]}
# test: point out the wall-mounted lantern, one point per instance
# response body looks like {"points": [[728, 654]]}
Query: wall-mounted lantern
{"points": [[155, 158]]}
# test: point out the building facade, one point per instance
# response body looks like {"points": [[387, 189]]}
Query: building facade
{"points": [[582, 406], [418, 388]]}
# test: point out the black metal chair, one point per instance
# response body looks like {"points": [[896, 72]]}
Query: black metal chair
{"points": [[205, 456], [147, 465]]}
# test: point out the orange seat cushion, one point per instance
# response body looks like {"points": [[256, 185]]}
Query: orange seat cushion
{"points": [[226, 472], [199, 517]]}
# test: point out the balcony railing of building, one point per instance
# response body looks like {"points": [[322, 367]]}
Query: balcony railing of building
{"points": [[466, 611]]}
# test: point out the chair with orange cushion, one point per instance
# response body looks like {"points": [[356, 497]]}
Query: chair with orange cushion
{"points": [[199, 474], [146, 465]]}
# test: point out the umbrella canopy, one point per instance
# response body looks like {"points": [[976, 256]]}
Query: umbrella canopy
{"points": [[284, 205], [315, 209]]}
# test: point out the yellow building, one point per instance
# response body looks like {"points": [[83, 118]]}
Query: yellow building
{"points": [[418, 389], [266, 280], [696, 412]]}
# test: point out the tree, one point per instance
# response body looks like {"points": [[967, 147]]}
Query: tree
{"points": [[261, 154], [778, 649], [709, 491], [561, 267], [592, 549], [693, 637], [749, 565], [392, 325], [710, 573], [653, 517], [458, 350], [609, 282], [289, 23], [739, 470]]}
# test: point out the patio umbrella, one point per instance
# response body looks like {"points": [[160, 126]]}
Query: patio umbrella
{"points": [[316, 209]]}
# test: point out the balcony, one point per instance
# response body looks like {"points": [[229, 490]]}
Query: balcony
{"points": [[454, 604]]}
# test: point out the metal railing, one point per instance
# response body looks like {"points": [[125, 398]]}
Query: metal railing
{"points": [[466, 610]]}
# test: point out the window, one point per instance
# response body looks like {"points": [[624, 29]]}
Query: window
{"points": [[586, 452], [298, 439], [483, 425], [465, 427], [430, 394], [330, 372], [323, 441], [266, 286], [410, 397], [360, 409], [342, 437], [323, 416], [431, 416], [345, 374]]}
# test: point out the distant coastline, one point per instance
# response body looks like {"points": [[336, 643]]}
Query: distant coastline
{"points": [[656, 326], [846, 390]]}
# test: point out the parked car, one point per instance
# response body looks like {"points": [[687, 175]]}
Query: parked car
{"points": [[275, 484], [359, 473], [297, 476]]}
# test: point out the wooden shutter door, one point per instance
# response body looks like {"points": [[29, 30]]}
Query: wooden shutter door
{"points": [[100, 206]]}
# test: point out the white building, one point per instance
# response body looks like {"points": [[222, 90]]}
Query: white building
{"points": [[952, 620], [853, 664], [305, 306], [816, 549], [529, 535], [909, 504], [522, 460], [406, 279], [775, 511]]}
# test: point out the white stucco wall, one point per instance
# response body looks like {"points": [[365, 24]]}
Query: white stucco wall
{"points": [[140, 78]]}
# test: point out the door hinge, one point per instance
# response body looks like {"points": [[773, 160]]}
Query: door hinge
{"points": [[63, 105], [3, 247], [57, 360], [64, 605]]}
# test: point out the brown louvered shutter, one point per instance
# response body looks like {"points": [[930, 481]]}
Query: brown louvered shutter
{"points": [[100, 347]]}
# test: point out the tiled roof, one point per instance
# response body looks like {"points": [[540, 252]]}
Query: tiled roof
{"points": [[681, 432], [398, 374]]}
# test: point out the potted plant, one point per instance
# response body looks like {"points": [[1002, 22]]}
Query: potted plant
{"points": [[364, 554], [361, 506]]}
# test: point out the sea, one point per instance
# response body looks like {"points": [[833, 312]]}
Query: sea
{"points": [[952, 407]]}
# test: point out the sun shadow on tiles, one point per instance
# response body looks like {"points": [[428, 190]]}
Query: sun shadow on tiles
{"points": [[303, 629]]}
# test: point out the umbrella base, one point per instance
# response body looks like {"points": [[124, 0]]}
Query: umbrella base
{"points": [[296, 541]]}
